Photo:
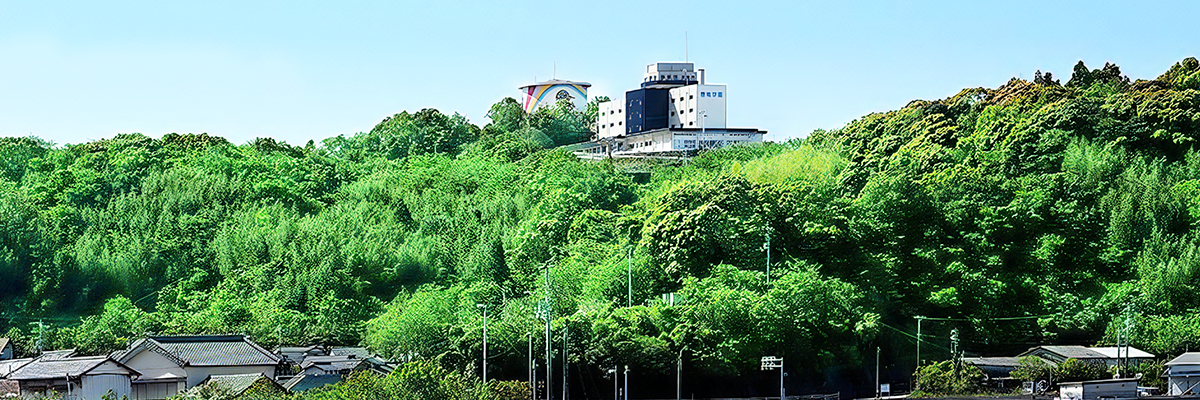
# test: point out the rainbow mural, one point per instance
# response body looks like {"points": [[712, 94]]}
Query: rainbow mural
{"points": [[550, 92]]}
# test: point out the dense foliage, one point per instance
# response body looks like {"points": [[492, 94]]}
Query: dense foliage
{"points": [[1072, 205]]}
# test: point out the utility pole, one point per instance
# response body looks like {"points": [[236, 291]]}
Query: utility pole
{"points": [[546, 312], [878, 394], [485, 329], [918, 368], [566, 351], [532, 384], [616, 382], [768, 255], [629, 268]]}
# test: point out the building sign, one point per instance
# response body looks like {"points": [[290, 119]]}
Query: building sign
{"points": [[710, 94]]}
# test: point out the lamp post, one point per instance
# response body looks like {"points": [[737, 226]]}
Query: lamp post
{"points": [[485, 329], [616, 382], [679, 375], [626, 382], [532, 385], [772, 362], [629, 274]]}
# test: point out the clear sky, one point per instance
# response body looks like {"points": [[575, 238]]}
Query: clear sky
{"points": [[75, 71]]}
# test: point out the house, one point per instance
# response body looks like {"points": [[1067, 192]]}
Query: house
{"points": [[83, 378], [997, 369], [1183, 375], [6, 349], [1107, 356], [172, 364], [1126, 388], [57, 354], [239, 384]]}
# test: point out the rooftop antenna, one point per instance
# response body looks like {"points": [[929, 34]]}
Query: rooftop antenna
{"points": [[555, 75], [685, 46]]}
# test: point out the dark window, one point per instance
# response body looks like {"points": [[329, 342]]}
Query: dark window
{"points": [[691, 110], [691, 97], [691, 123]]}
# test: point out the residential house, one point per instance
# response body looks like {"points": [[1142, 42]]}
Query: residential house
{"points": [[172, 364], [1126, 388], [1183, 375], [1107, 356], [83, 378], [6, 349]]}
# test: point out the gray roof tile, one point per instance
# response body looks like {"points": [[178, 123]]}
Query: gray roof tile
{"points": [[215, 350], [303, 382], [237, 384], [56, 368]]}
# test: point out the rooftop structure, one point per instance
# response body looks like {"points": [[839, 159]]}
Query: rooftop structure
{"points": [[1101, 355], [1183, 374]]}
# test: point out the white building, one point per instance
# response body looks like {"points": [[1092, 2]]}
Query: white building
{"points": [[1183, 375], [1094, 390], [548, 93], [674, 112]]}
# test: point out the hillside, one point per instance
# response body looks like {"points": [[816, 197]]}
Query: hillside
{"points": [[1075, 205]]}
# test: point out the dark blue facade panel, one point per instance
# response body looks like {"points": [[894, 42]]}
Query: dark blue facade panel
{"points": [[646, 109]]}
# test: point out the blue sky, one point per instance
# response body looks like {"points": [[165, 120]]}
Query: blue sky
{"points": [[72, 72]]}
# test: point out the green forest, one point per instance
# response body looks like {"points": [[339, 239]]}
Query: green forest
{"points": [[1074, 206]]}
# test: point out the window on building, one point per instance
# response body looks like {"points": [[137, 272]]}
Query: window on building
{"points": [[691, 110], [690, 123], [691, 97]]}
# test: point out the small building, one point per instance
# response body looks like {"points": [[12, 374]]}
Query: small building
{"points": [[83, 378], [6, 348], [549, 93], [172, 364], [1183, 375], [11, 388], [1126, 388], [1107, 356]]}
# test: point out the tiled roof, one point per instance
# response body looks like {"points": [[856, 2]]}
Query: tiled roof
{"points": [[300, 383], [237, 384], [214, 350], [56, 368], [56, 354], [1192, 358], [359, 352], [1068, 351], [8, 366]]}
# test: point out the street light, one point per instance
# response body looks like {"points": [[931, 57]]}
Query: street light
{"points": [[485, 327], [772, 362], [626, 382], [679, 375], [616, 382]]}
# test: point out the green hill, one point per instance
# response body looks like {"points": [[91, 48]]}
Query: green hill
{"points": [[1032, 213]]}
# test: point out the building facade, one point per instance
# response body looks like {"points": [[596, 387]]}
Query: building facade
{"points": [[674, 112]]}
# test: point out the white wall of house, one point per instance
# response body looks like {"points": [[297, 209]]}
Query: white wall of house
{"points": [[155, 366], [156, 390], [94, 387]]}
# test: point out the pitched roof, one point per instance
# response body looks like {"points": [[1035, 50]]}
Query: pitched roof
{"points": [[302, 382], [8, 366], [56, 354], [360, 352], [1066, 351], [993, 361], [58, 368], [4, 342], [238, 384], [1117, 352], [1192, 358], [210, 350]]}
